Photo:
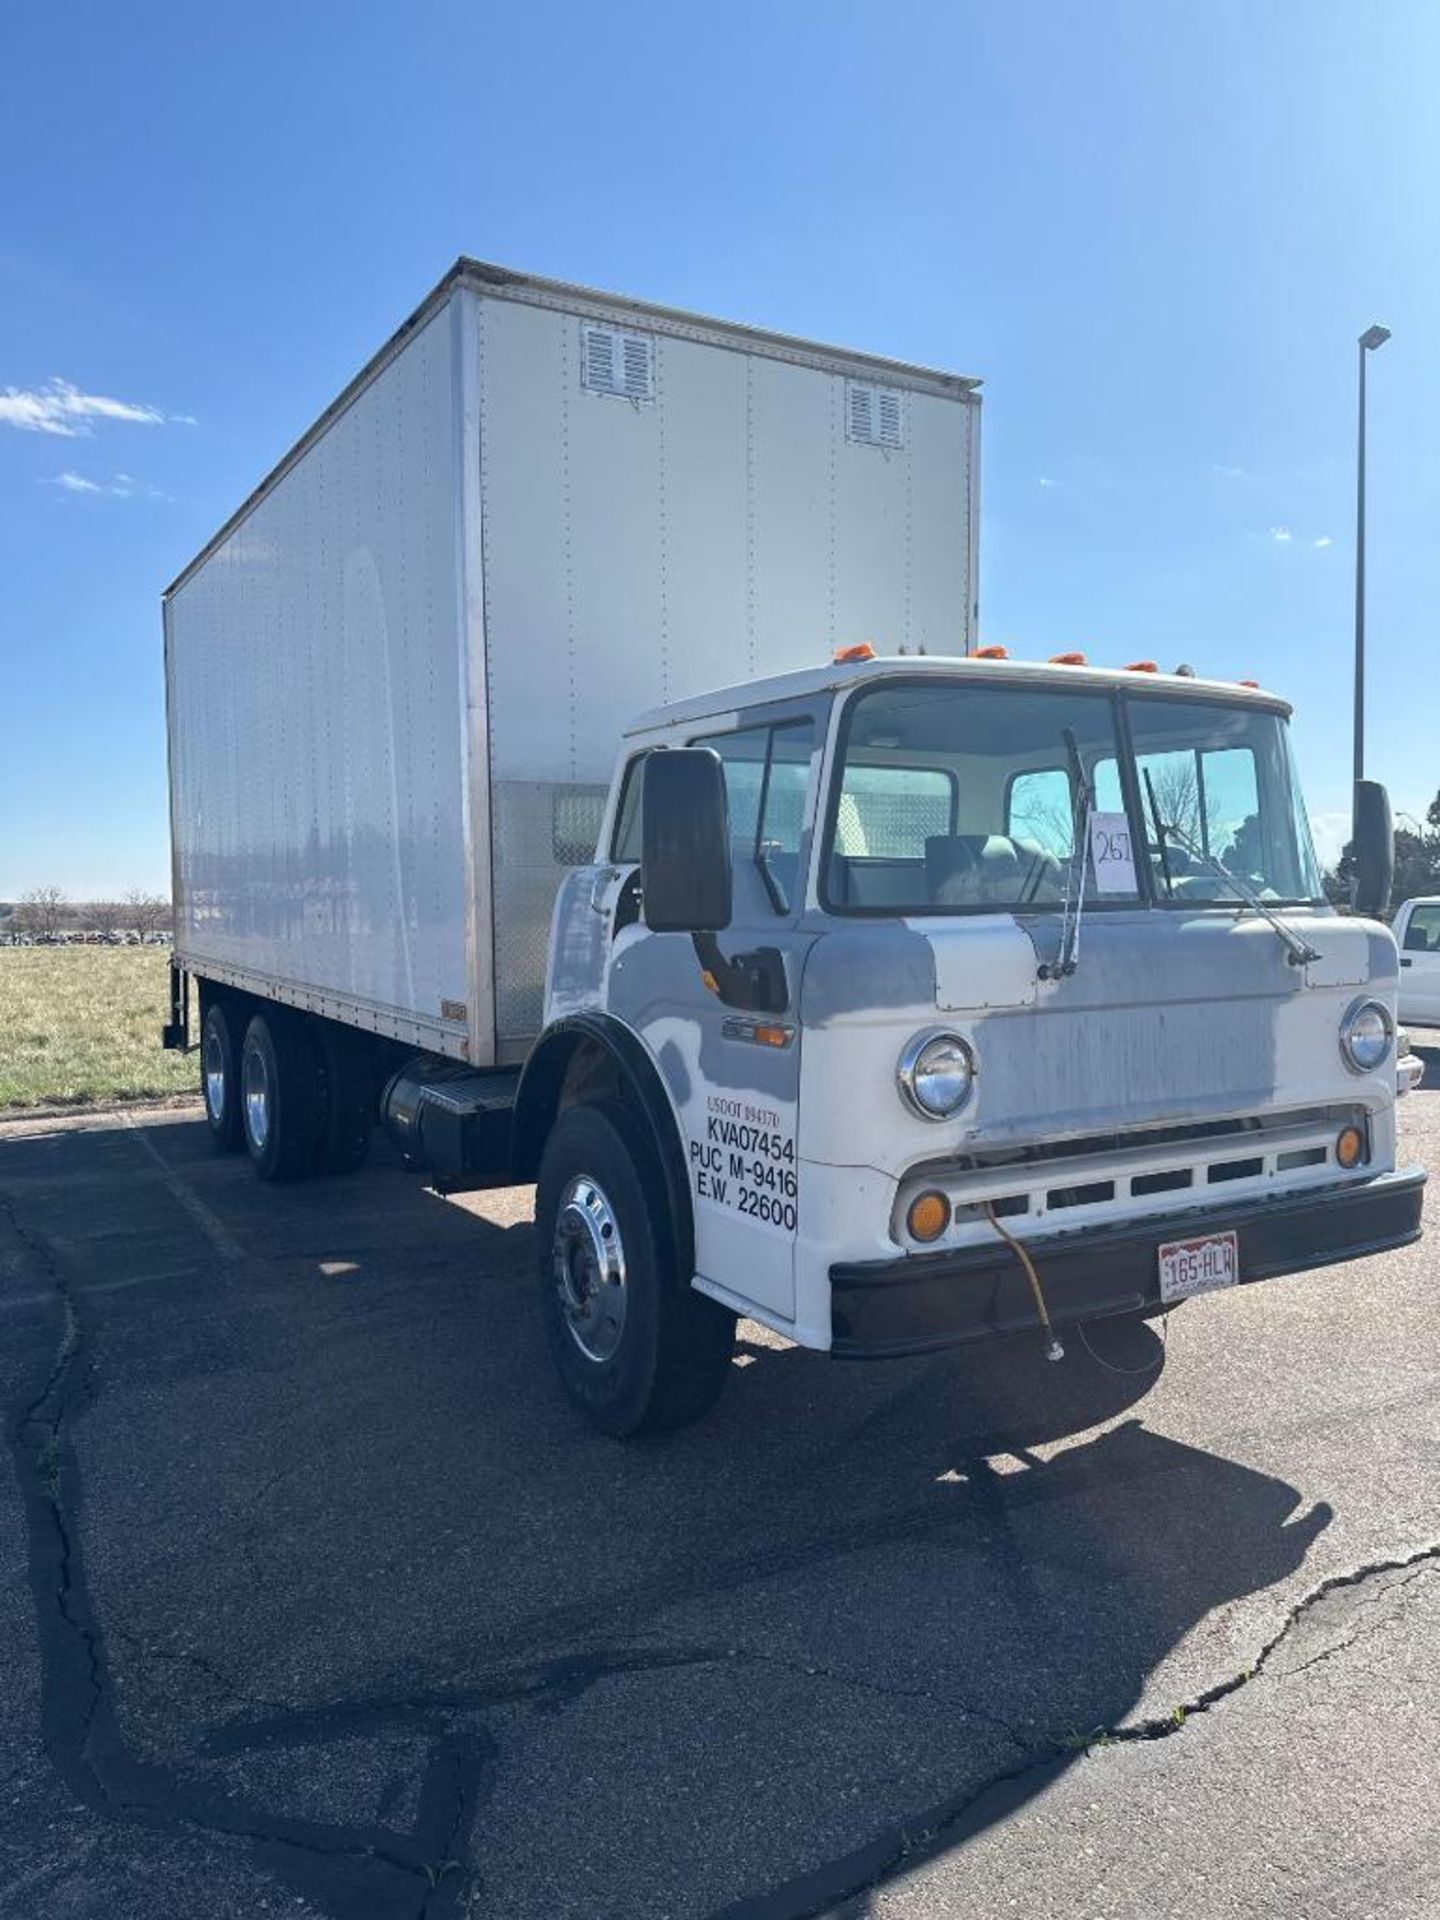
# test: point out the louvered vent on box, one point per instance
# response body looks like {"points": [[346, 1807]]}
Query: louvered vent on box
{"points": [[874, 416], [616, 362]]}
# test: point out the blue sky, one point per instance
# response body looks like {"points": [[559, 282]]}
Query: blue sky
{"points": [[1153, 231]]}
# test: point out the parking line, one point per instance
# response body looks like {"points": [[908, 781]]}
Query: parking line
{"points": [[210, 1224]]}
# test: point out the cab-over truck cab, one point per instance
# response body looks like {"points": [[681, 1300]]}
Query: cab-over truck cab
{"points": [[914, 1001]]}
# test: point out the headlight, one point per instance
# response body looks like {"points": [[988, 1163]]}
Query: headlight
{"points": [[1366, 1034], [936, 1072]]}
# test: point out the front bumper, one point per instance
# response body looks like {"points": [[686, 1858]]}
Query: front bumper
{"points": [[925, 1301]]}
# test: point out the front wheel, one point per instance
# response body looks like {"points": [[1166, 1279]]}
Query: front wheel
{"points": [[637, 1348]]}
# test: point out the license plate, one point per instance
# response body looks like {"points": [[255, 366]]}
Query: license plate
{"points": [[1198, 1266]]}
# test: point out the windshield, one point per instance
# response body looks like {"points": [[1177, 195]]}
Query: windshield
{"points": [[1220, 779], [952, 797]]}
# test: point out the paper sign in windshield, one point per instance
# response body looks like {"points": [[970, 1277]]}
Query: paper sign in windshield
{"points": [[1111, 855]]}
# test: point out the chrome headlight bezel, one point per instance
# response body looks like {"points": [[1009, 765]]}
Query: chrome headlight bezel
{"points": [[1352, 1055], [910, 1071]]}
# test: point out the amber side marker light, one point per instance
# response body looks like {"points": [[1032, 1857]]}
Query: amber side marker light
{"points": [[1068, 660], [1350, 1147], [862, 650], [928, 1216], [991, 653], [1141, 666]]}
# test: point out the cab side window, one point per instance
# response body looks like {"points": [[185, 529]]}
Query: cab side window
{"points": [[625, 841], [767, 776], [1422, 934]]}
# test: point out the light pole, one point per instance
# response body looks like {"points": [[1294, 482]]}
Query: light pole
{"points": [[1372, 338]]}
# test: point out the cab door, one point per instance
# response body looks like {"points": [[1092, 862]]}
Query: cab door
{"points": [[1419, 936], [732, 1070]]}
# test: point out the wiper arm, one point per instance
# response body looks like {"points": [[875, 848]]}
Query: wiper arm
{"points": [[1300, 952], [1163, 832], [1069, 955]]}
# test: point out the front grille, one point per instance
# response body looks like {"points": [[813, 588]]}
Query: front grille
{"points": [[1125, 1174]]}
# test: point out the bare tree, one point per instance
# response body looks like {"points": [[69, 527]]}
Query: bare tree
{"points": [[146, 912], [1177, 792], [103, 917], [40, 912]]}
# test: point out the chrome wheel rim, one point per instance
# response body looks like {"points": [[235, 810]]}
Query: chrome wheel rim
{"points": [[588, 1260], [213, 1065], [257, 1098]]}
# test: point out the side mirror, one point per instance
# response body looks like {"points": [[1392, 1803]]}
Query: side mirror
{"points": [[1374, 850], [685, 841]]}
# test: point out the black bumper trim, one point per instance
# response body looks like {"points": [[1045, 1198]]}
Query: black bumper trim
{"points": [[925, 1301]]}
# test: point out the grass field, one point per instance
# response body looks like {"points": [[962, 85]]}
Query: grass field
{"points": [[80, 1024]]}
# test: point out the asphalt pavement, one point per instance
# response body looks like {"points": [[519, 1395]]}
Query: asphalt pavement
{"points": [[317, 1599]]}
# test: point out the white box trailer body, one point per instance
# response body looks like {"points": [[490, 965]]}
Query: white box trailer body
{"points": [[397, 679]]}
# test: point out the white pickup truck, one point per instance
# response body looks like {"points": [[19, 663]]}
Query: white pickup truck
{"points": [[1417, 934]]}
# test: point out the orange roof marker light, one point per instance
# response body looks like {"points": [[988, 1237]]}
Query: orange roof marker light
{"points": [[991, 653], [1141, 666], [1068, 660], [862, 650], [1248, 683]]}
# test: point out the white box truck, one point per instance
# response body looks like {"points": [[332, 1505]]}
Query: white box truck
{"points": [[896, 994]]}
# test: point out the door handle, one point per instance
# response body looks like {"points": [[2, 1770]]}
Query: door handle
{"points": [[1406, 963]]}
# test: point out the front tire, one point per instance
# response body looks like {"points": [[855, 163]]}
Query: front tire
{"points": [[280, 1099], [636, 1347], [220, 1076]]}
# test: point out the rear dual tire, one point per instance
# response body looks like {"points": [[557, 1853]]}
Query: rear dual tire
{"points": [[220, 1037], [296, 1093], [280, 1096]]}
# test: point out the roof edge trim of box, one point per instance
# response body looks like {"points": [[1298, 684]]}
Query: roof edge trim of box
{"points": [[485, 277]]}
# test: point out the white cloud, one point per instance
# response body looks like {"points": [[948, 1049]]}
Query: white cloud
{"points": [[60, 407], [1329, 830], [1323, 541], [121, 486], [1230, 473], [1046, 481], [1282, 534]]}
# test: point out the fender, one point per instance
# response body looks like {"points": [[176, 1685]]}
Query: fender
{"points": [[538, 1099]]}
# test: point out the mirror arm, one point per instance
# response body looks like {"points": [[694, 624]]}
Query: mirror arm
{"points": [[754, 981]]}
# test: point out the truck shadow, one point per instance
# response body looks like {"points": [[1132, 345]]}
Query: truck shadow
{"points": [[440, 1650]]}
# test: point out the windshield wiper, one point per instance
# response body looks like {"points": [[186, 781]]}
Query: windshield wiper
{"points": [[1299, 950], [1081, 809], [1163, 832]]}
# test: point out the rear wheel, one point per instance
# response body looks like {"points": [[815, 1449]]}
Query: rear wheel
{"points": [[280, 1096], [636, 1347], [220, 1076]]}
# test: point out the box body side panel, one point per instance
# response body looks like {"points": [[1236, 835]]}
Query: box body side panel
{"points": [[642, 550], [316, 694]]}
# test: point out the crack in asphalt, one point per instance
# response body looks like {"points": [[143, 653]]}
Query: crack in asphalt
{"points": [[401, 1875], [1419, 1570], [829, 1891]]}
